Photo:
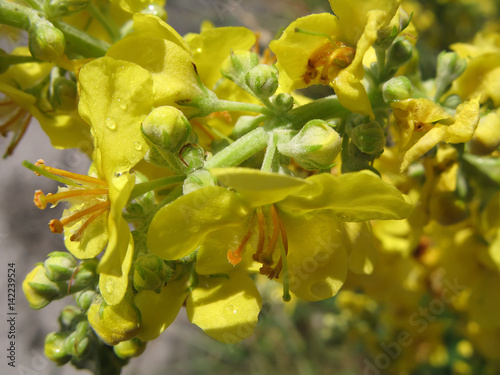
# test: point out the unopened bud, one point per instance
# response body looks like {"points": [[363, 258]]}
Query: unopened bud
{"points": [[54, 348], [64, 94], [45, 41], [167, 128], [283, 102], [62, 8], [40, 290], [150, 272], [399, 53], [397, 88], [130, 348], [77, 343], [85, 274], [60, 266], [70, 316], [263, 80], [449, 67], [197, 180], [369, 138], [114, 323], [191, 157], [85, 298], [315, 147], [238, 64]]}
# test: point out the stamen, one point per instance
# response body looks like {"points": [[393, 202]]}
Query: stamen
{"points": [[262, 234], [77, 236], [234, 256], [56, 226], [15, 117], [41, 199], [17, 137], [75, 176], [267, 257]]}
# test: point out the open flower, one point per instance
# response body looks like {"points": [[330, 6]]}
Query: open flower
{"points": [[422, 124], [329, 49], [294, 227]]}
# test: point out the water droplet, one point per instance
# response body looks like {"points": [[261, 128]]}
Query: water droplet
{"points": [[138, 146], [110, 287], [342, 216], [235, 311], [110, 123], [123, 106]]}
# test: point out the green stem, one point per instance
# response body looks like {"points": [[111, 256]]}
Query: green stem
{"points": [[269, 164], [143, 188], [80, 42], [105, 21], [240, 150], [15, 15], [325, 108], [35, 4], [227, 105]]}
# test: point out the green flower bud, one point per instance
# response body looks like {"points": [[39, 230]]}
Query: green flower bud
{"points": [[197, 180], [167, 128], [449, 67], [315, 147], [191, 157], [85, 298], [60, 266], [77, 343], [238, 64], [55, 349], [45, 41], [150, 272], [85, 275], [369, 138], [452, 101], [62, 8], [64, 94], [283, 102], [399, 53], [40, 290], [262, 80], [397, 88], [130, 348], [70, 316]]}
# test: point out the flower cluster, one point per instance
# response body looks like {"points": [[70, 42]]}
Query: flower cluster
{"points": [[209, 168]]}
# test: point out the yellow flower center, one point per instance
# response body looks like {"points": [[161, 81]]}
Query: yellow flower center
{"points": [[327, 61], [91, 191]]}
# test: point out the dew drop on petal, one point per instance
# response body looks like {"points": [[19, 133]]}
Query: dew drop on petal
{"points": [[110, 123], [110, 287], [138, 146]]}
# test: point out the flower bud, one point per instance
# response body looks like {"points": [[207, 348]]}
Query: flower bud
{"points": [[487, 135], [40, 290], [45, 41], [238, 64], [60, 266], [130, 348], [263, 80], [114, 323], [449, 67], [197, 180], [64, 94], [54, 348], [452, 101], [192, 158], [77, 343], [70, 316], [150, 272], [369, 138], [85, 274], [167, 128], [397, 88], [85, 298], [283, 102], [315, 147], [62, 8], [399, 53]]}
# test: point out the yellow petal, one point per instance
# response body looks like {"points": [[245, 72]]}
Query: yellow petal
{"points": [[226, 309], [362, 252]]}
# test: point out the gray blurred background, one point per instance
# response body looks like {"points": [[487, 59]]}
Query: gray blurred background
{"points": [[25, 238]]}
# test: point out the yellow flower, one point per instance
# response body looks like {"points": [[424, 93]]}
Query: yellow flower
{"points": [[482, 75], [422, 124], [328, 49], [65, 130]]}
